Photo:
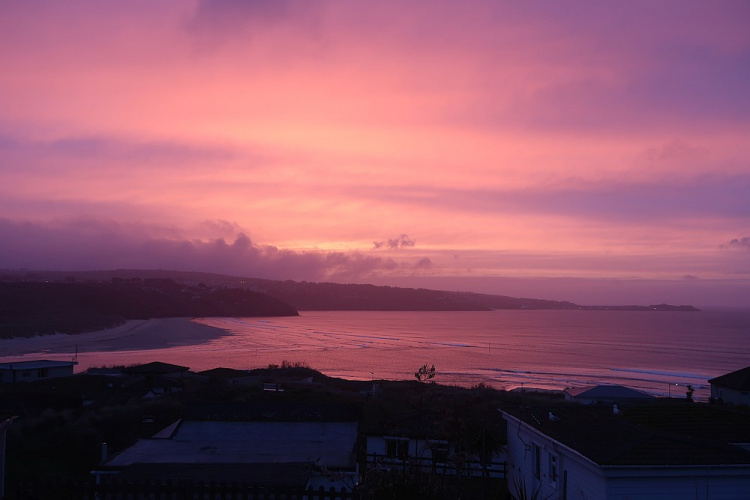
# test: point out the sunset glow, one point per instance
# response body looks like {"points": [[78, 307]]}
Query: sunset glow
{"points": [[583, 151]]}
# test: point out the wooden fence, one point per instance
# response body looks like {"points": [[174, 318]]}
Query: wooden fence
{"points": [[182, 490]]}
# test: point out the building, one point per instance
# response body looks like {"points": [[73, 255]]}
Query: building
{"points": [[651, 452], [230, 376], [606, 395], [732, 388], [27, 371], [222, 443]]}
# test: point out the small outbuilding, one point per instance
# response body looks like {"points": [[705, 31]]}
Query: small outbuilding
{"points": [[734, 387], [27, 371]]}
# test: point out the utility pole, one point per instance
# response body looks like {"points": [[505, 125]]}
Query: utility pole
{"points": [[3, 426]]}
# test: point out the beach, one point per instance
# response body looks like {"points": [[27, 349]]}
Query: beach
{"points": [[150, 334]]}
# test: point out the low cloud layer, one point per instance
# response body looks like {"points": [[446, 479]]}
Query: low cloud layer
{"points": [[90, 244]]}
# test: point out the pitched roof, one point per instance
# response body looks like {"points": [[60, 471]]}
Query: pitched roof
{"points": [[331, 444], [607, 392], [155, 368], [225, 373], [738, 380], [611, 440]]}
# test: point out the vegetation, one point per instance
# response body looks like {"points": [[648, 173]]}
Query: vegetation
{"points": [[63, 422], [32, 308]]}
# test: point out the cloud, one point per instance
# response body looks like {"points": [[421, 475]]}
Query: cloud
{"points": [[423, 263], [738, 243], [215, 23], [94, 244], [400, 242]]}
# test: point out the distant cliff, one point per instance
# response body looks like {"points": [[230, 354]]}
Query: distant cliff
{"points": [[47, 301], [30, 308]]}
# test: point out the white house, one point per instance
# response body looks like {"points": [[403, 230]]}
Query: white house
{"points": [[732, 388], [584, 452], [26, 371]]}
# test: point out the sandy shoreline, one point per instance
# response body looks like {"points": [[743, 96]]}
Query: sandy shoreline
{"points": [[157, 333]]}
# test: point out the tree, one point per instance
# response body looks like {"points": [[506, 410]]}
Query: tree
{"points": [[424, 374]]}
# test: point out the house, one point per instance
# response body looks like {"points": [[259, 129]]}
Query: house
{"points": [[268, 453], [220, 443], [26, 371], [732, 388], [155, 379], [156, 368], [654, 452], [230, 376], [432, 444], [606, 395]]}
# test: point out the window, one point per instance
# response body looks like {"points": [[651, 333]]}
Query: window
{"points": [[552, 468], [439, 450], [537, 461], [397, 448]]}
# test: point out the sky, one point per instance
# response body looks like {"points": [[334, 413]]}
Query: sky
{"points": [[588, 151]]}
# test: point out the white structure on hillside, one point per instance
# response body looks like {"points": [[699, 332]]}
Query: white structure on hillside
{"points": [[732, 388], [27, 371]]}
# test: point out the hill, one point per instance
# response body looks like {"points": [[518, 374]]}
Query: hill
{"points": [[31, 308]]}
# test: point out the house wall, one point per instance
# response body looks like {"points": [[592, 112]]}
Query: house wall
{"points": [[379, 445], [730, 395], [728, 483], [30, 374], [578, 478]]}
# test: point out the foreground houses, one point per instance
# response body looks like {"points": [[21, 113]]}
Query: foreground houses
{"points": [[658, 451], [27, 371], [733, 388]]}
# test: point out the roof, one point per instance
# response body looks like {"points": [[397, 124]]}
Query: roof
{"points": [[331, 444], [155, 368], [36, 364], [738, 380], [273, 410], [611, 392], [287, 474], [226, 373], [608, 439]]}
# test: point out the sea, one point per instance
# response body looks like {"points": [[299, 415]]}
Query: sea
{"points": [[659, 352]]}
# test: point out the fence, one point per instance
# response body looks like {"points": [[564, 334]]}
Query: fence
{"points": [[182, 490], [452, 466]]}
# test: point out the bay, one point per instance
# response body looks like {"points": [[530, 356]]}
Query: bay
{"points": [[659, 352]]}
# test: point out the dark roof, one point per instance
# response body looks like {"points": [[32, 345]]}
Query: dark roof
{"points": [[155, 368], [268, 474], [738, 380], [226, 373], [274, 411], [609, 392], [609, 439]]}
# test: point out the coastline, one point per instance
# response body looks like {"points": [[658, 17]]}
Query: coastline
{"points": [[154, 333]]}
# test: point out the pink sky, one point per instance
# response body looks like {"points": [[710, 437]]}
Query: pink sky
{"points": [[596, 152]]}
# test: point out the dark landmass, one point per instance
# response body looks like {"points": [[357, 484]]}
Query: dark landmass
{"points": [[34, 308], [83, 411], [69, 302]]}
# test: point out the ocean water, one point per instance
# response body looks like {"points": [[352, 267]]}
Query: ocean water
{"points": [[659, 352]]}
